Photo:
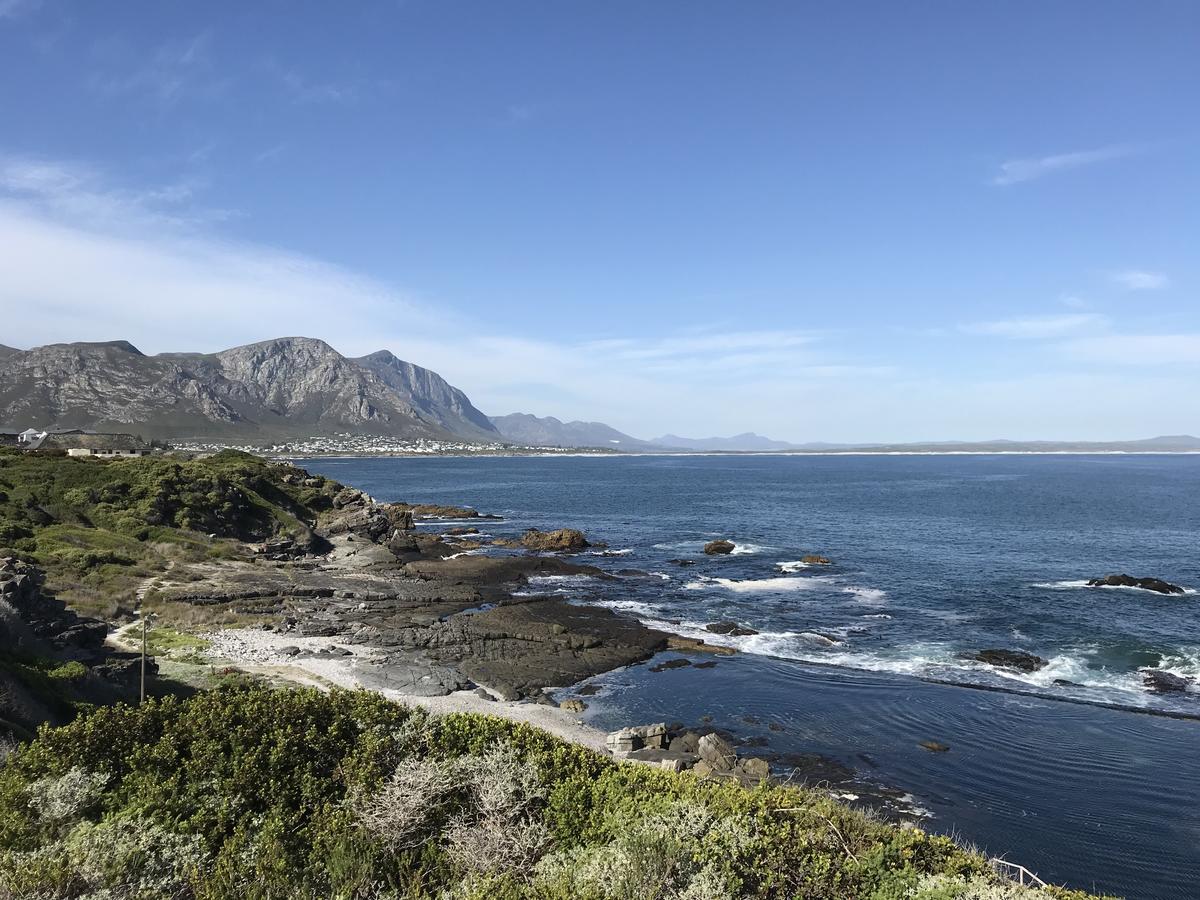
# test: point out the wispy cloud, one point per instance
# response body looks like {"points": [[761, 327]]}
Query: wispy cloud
{"points": [[77, 193], [11, 9], [1137, 349], [1138, 280], [303, 90], [175, 70], [1037, 327], [1015, 171]]}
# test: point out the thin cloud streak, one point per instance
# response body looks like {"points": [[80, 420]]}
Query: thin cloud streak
{"points": [[1016, 171], [1037, 327], [1138, 280]]}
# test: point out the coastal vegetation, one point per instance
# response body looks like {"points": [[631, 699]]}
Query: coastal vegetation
{"points": [[100, 528], [249, 792]]}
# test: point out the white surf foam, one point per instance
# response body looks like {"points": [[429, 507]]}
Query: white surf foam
{"points": [[793, 567], [744, 549], [870, 596], [1082, 583], [559, 579], [752, 585], [623, 552]]}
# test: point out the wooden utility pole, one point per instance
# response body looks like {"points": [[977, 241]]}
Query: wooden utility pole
{"points": [[142, 698]]}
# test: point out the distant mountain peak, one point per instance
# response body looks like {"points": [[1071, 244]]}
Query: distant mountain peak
{"points": [[279, 388]]}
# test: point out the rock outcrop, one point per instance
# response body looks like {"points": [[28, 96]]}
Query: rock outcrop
{"points": [[1146, 584], [563, 540], [733, 629], [1159, 682], [1017, 660], [719, 548]]}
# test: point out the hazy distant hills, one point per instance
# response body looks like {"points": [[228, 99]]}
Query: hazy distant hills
{"points": [[534, 431], [289, 387], [746, 441]]}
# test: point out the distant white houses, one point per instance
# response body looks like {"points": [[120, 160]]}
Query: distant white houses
{"points": [[77, 442]]}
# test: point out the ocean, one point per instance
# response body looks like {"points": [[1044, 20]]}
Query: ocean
{"points": [[1075, 771]]}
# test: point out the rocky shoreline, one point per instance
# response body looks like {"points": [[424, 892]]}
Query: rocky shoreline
{"points": [[420, 604]]}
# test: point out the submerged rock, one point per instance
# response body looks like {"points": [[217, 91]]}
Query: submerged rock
{"points": [[1159, 682], [562, 540], [671, 664], [935, 746], [815, 559], [1146, 584], [733, 629], [719, 548], [1017, 660]]}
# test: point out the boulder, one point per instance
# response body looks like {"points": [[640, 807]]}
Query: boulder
{"points": [[688, 742], [730, 628], [754, 769], [1017, 660], [567, 540], [1146, 584], [1159, 682], [717, 752], [815, 559], [637, 737], [573, 705], [719, 548]]}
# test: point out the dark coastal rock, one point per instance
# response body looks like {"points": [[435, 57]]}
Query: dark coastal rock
{"points": [[1159, 682], [815, 559], [733, 629], [516, 650], [671, 664], [1146, 584], [442, 511], [719, 548], [1017, 660], [682, 563], [686, 742], [695, 645], [495, 569], [563, 540]]}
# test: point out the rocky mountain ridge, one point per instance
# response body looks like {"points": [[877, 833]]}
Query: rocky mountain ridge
{"points": [[293, 386]]}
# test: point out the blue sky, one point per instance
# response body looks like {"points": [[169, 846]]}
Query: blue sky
{"points": [[819, 221]]}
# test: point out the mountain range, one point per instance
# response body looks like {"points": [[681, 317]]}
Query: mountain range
{"points": [[288, 387], [298, 387]]}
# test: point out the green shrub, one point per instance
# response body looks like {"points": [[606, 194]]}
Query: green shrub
{"points": [[251, 793]]}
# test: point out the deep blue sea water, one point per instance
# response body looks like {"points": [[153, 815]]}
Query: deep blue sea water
{"points": [[933, 556]]}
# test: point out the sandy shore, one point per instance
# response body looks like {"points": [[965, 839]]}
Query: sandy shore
{"points": [[262, 652]]}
